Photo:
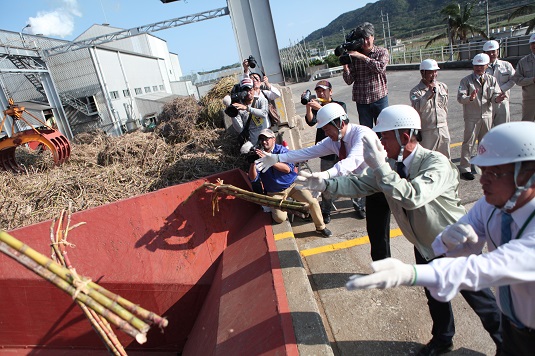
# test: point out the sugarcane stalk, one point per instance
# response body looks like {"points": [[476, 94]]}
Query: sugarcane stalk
{"points": [[67, 276], [98, 322], [53, 278], [282, 204]]}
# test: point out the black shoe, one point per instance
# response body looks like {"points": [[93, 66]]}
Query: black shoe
{"points": [[435, 348], [326, 218], [360, 213], [467, 176], [325, 232]]}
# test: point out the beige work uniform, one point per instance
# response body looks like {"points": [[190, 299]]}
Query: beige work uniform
{"points": [[503, 71], [477, 113], [525, 73], [433, 110]]}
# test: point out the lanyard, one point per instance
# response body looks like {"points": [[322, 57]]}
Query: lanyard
{"points": [[520, 232]]}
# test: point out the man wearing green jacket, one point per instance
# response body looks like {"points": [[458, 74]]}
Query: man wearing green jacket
{"points": [[421, 187]]}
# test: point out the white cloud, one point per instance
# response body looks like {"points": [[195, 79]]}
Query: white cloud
{"points": [[59, 22]]}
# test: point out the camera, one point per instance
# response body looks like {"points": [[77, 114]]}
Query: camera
{"points": [[306, 97], [354, 42], [251, 155], [237, 95], [252, 61]]}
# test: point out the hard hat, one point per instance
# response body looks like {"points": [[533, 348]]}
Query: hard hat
{"points": [[532, 38], [491, 45], [429, 64], [507, 143], [246, 83], [397, 117], [481, 59], [329, 113]]}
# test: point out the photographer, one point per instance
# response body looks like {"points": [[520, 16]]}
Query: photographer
{"points": [[367, 73], [252, 115], [324, 96], [279, 180], [261, 85]]}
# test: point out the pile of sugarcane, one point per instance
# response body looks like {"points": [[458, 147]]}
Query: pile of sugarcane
{"points": [[101, 306], [294, 207]]}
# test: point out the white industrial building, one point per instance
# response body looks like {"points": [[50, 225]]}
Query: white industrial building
{"points": [[116, 86]]}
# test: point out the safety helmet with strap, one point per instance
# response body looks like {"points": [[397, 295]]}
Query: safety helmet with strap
{"points": [[398, 117], [429, 64], [481, 59], [511, 142]]}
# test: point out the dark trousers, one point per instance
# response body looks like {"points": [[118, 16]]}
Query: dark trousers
{"points": [[378, 225], [482, 302], [368, 113], [516, 342]]}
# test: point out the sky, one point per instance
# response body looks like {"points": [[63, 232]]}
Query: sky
{"points": [[200, 46]]}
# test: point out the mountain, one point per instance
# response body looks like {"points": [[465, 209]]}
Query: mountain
{"points": [[406, 18]]}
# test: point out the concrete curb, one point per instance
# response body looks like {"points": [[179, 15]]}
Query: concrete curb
{"points": [[309, 329]]}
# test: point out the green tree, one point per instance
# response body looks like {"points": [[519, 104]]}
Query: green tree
{"points": [[459, 24], [524, 10], [332, 61]]}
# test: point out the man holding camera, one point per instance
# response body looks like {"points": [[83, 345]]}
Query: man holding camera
{"points": [[261, 85], [278, 182], [252, 115], [367, 73], [324, 96]]}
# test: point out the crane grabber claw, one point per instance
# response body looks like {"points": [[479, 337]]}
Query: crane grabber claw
{"points": [[43, 136]]}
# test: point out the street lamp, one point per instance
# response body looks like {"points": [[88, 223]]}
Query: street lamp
{"points": [[486, 3], [21, 32]]}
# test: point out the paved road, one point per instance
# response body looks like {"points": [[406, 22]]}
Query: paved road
{"points": [[375, 322]]}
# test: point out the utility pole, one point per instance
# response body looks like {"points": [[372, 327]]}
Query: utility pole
{"points": [[384, 34]]}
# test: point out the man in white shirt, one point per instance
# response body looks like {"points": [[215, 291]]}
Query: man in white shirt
{"points": [[344, 140], [504, 220]]}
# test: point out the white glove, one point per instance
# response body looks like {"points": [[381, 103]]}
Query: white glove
{"points": [[246, 147], [458, 234], [374, 152], [314, 181], [264, 163], [388, 273]]}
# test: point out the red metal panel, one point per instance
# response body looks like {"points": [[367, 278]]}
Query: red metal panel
{"points": [[160, 250]]}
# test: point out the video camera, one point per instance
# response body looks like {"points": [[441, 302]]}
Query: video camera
{"points": [[354, 42], [306, 97], [237, 95]]}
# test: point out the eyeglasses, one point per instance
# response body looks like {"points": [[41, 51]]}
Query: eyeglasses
{"points": [[263, 138], [493, 176]]}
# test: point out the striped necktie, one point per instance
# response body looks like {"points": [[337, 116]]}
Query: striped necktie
{"points": [[506, 303]]}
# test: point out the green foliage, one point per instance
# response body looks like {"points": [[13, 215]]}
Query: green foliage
{"points": [[316, 62], [332, 61]]}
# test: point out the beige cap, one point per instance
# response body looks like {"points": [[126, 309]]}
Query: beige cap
{"points": [[267, 133]]}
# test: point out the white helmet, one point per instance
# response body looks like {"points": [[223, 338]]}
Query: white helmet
{"points": [[507, 143], [397, 117], [491, 45], [511, 142], [429, 64], [329, 113], [481, 59]]}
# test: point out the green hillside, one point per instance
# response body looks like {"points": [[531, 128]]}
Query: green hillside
{"points": [[408, 19]]}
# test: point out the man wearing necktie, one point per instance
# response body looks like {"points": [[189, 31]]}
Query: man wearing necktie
{"points": [[344, 139], [503, 71], [421, 187], [504, 220], [476, 93]]}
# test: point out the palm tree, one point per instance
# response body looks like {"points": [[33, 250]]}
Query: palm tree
{"points": [[521, 11], [459, 26]]}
